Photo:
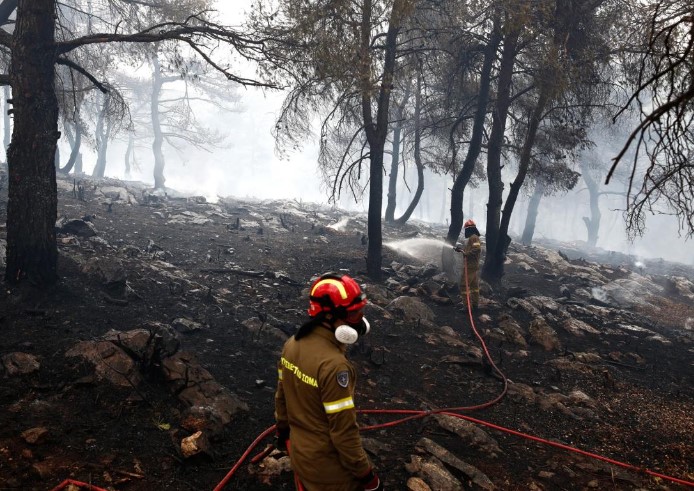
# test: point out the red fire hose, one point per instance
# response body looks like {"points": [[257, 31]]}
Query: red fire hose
{"points": [[417, 414]]}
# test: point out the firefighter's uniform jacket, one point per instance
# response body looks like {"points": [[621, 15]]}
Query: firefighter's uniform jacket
{"points": [[472, 253], [315, 399]]}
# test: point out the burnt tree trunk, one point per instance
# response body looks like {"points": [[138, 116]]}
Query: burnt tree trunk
{"points": [[496, 138], [129, 155], [393, 176], [102, 135], [475, 145], [395, 161], [448, 261], [377, 131], [75, 144], [7, 124], [493, 268], [592, 222], [159, 162], [417, 154], [32, 252], [531, 217]]}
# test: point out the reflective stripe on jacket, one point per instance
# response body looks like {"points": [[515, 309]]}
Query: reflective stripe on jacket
{"points": [[315, 398]]}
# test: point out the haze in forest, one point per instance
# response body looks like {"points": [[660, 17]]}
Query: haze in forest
{"points": [[247, 165]]}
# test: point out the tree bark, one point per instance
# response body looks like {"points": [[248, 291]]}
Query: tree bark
{"points": [[592, 222], [159, 162], [7, 121], [75, 144], [393, 176], [129, 154], [475, 145], [417, 154], [377, 131], [531, 217], [32, 252], [494, 261], [448, 261], [496, 138], [395, 161], [103, 133]]}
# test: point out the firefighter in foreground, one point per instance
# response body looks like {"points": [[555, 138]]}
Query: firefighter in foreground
{"points": [[471, 253], [314, 402]]}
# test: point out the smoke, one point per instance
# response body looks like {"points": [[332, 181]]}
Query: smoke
{"points": [[340, 225], [599, 294]]}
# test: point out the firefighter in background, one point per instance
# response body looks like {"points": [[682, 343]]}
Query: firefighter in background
{"points": [[471, 253], [314, 401]]}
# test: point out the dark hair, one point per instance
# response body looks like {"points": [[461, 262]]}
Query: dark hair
{"points": [[308, 326], [470, 231]]}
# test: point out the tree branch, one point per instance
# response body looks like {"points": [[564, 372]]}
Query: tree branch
{"points": [[6, 9], [77, 68]]}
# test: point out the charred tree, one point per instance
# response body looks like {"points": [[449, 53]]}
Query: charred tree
{"points": [[104, 126], [417, 154], [531, 217], [158, 141], [496, 138], [32, 196], [593, 221], [129, 155], [475, 145], [75, 140], [493, 268], [395, 161], [377, 131], [7, 125]]}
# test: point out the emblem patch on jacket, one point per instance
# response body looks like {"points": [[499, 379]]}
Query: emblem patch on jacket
{"points": [[343, 378]]}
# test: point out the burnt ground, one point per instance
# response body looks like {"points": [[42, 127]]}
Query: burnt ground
{"points": [[240, 274]]}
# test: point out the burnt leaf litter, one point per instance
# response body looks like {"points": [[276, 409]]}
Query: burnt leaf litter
{"points": [[152, 363]]}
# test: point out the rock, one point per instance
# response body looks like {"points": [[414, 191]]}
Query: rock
{"points": [[470, 433], [110, 362], [681, 285], [258, 328], [18, 363], [184, 325], [434, 473], [417, 484], [77, 227], [195, 386], [629, 292], [149, 344], [521, 393], [546, 304], [578, 327], [473, 474], [195, 444], [269, 469], [521, 304], [111, 273], [44, 469], [411, 309], [543, 335], [35, 435], [512, 331]]}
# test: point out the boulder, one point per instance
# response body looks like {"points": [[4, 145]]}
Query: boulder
{"points": [[410, 309]]}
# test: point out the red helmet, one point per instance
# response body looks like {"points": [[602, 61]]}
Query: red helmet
{"points": [[469, 223], [335, 294]]}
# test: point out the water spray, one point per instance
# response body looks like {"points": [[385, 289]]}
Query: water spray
{"points": [[421, 248]]}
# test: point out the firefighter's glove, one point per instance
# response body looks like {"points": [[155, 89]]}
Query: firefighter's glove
{"points": [[281, 439], [371, 482]]}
